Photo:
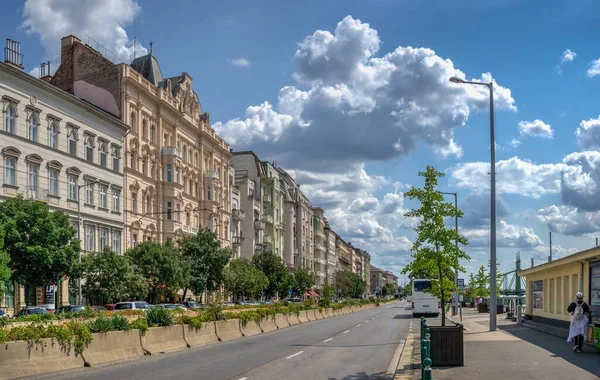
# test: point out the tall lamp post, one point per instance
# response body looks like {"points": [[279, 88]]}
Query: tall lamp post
{"points": [[80, 295], [455, 303], [493, 299]]}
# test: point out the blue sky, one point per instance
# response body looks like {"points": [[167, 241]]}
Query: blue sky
{"points": [[377, 74]]}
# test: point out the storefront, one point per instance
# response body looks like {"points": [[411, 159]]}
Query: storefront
{"points": [[552, 286]]}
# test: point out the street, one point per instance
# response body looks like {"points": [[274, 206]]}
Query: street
{"points": [[355, 346]]}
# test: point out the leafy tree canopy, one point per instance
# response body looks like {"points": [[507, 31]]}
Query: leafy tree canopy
{"points": [[280, 279], [350, 284], [242, 279], [304, 280]]}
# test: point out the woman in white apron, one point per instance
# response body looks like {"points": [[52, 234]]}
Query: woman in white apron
{"points": [[580, 312]]}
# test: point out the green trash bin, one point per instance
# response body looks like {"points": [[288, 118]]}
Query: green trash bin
{"points": [[596, 335]]}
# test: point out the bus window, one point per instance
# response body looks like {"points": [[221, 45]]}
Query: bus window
{"points": [[421, 286]]}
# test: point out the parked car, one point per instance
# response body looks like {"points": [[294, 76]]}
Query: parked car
{"points": [[170, 306], [70, 309], [98, 309], [132, 305], [31, 310], [192, 305], [110, 306], [3, 313]]}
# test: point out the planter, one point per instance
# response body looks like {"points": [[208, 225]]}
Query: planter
{"points": [[113, 346], [447, 346], [158, 340], [206, 334], [228, 330], [483, 308], [267, 324]]}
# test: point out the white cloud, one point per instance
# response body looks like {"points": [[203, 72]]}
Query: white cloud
{"points": [[239, 62], [594, 68], [588, 134], [568, 220], [507, 236], [536, 128], [104, 21], [514, 143], [384, 105], [567, 56]]}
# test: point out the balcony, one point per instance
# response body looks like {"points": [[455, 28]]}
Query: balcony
{"points": [[189, 230], [267, 218], [320, 234], [36, 194], [211, 175], [280, 226], [320, 274], [171, 189], [238, 214], [259, 225], [320, 260], [320, 247], [267, 239], [259, 247], [171, 151], [237, 240], [266, 198], [256, 204]]}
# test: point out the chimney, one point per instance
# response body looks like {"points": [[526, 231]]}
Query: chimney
{"points": [[45, 72], [12, 54]]}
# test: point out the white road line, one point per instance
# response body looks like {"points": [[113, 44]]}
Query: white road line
{"points": [[327, 340], [366, 321], [358, 325], [296, 354], [346, 332], [243, 378]]}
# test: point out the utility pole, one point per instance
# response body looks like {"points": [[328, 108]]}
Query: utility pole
{"points": [[550, 257]]}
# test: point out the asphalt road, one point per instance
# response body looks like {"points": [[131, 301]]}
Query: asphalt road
{"points": [[355, 346]]}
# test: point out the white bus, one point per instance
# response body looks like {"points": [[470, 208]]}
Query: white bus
{"points": [[423, 303]]}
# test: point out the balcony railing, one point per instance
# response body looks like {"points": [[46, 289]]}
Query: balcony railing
{"points": [[237, 240], [33, 193], [171, 151], [238, 214], [259, 225], [267, 239], [212, 175], [320, 274], [320, 247], [189, 229], [266, 198], [267, 218], [280, 226], [320, 234], [320, 260], [259, 247]]}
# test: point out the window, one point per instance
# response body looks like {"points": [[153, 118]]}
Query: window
{"points": [[185, 156], [166, 139], [116, 244], [103, 200], [103, 154], [73, 142], [116, 157], [89, 149], [33, 128], [178, 212], [153, 134], [134, 239], [134, 202], [73, 187], [144, 129], [144, 165], [177, 177], [169, 210], [208, 194], [103, 238], [148, 204], [132, 161], [132, 122], [10, 119], [89, 192], [53, 136], [188, 219], [169, 173], [116, 194], [421, 286], [11, 170], [90, 231], [33, 180], [53, 176], [191, 190]]}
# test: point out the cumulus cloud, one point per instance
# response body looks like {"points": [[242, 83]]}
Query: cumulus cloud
{"points": [[507, 236], [239, 62], [359, 107], [565, 57], [476, 210], [593, 68], [568, 220], [588, 134], [536, 128]]}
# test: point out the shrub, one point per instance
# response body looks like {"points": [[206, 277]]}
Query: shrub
{"points": [[100, 325], [159, 316], [73, 335], [140, 324], [213, 313], [323, 302], [120, 323]]}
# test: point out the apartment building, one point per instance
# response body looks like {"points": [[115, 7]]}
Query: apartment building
{"points": [[237, 216], [362, 266], [331, 252], [391, 278], [319, 246], [377, 280], [176, 166], [344, 254], [272, 192], [65, 152]]}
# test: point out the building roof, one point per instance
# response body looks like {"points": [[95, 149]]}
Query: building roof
{"points": [[590, 254], [149, 68]]}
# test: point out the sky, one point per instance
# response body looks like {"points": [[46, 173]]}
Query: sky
{"points": [[353, 99]]}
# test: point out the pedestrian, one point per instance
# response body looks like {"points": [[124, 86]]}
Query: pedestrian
{"points": [[580, 315]]}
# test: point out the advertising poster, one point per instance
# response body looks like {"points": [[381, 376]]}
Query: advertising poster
{"points": [[595, 286], [538, 294], [49, 293]]}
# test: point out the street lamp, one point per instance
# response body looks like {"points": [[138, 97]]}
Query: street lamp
{"points": [[80, 296], [493, 299], [455, 303]]}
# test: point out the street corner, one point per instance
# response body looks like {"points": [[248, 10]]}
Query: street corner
{"points": [[409, 364]]}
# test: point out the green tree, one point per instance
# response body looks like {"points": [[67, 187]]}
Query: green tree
{"points": [[479, 283], [280, 279], [242, 279], [4, 265], [110, 278], [41, 244], [327, 291], [388, 290], [304, 280], [350, 284], [436, 249], [206, 259], [160, 265]]}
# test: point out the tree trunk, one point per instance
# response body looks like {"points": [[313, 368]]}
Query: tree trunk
{"points": [[184, 293], [442, 299]]}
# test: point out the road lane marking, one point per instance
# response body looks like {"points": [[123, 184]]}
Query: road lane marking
{"points": [[358, 325], [243, 378], [366, 321], [347, 331], [296, 354], [325, 341]]}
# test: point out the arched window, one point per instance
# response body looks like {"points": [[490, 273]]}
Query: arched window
{"points": [[148, 204], [144, 129], [103, 154], [73, 142], [33, 128], [116, 156], [10, 119], [89, 149], [132, 123], [53, 135], [153, 133]]}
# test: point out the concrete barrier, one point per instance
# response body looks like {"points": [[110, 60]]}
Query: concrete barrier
{"points": [[113, 346], [206, 334], [267, 324], [228, 330], [317, 314], [293, 319], [250, 328], [303, 316], [158, 340], [18, 359], [281, 321], [328, 313]]}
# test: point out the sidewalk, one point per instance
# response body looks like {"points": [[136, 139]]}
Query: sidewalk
{"points": [[514, 352]]}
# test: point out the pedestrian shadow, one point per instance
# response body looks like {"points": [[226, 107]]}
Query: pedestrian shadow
{"points": [[588, 360], [365, 376]]}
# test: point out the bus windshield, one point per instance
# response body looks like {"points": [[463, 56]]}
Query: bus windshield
{"points": [[422, 285]]}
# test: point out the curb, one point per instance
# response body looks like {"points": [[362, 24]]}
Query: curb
{"points": [[408, 365]]}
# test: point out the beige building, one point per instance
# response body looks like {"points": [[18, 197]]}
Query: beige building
{"points": [[176, 166], [377, 280], [58, 149], [344, 254], [237, 216], [331, 253], [319, 246], [363, 267]]}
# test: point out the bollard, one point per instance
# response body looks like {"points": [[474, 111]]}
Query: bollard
{"points": [[423, 356], [422, 332], [427, 370]]}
